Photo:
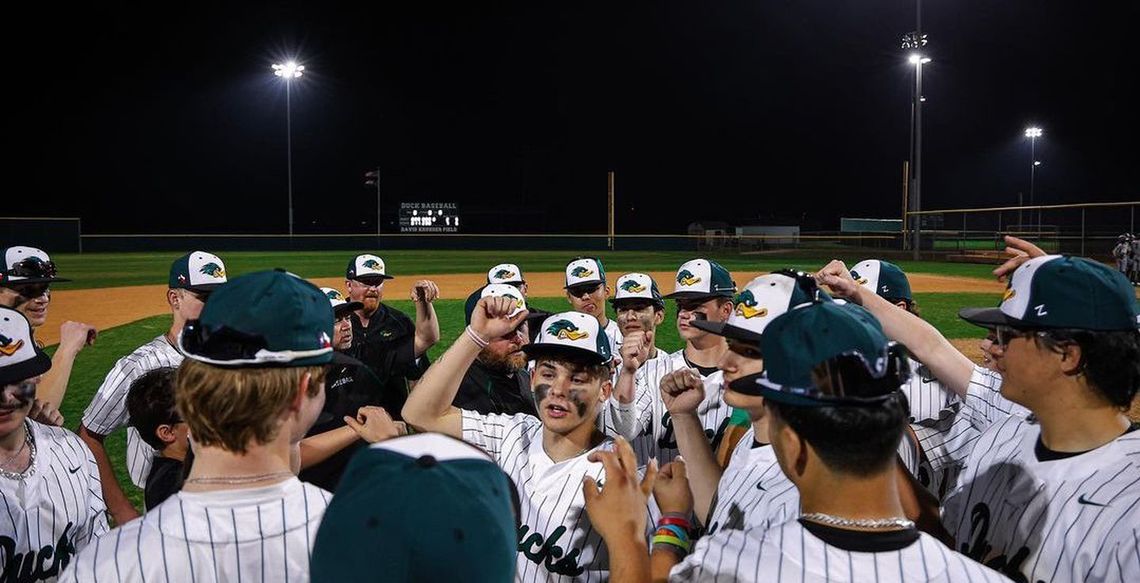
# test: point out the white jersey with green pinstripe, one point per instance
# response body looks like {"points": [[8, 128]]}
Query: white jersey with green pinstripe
{"points": [[249, 534], [651, 434], [54, 512], [556, 541], [108, 408], [1039, 516], [790, 553], [753, 492], [926, 396]]}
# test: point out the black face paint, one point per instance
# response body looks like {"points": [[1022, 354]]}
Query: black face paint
{"points": [[575, 397], [541, 391], [23, 393]]}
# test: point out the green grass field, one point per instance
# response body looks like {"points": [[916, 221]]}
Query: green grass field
{"points": [[121, 269], [93, 363]]}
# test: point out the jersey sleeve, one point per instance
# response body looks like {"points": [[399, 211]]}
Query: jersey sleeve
{"points": [[719, 558], [629, 420], [984, 400], [108, 408], [487, 431], [96, 524]]}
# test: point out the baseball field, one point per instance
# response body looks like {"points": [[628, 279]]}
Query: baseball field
{"points": [[123, 296]]}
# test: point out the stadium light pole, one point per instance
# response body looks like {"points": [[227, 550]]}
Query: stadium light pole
{"points": [[289, 71], [917, 60]]}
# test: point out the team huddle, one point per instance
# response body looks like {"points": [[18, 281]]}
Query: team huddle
{"points": [[813, 427]]}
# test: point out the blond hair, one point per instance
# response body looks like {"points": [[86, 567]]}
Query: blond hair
{"points": [[234, 408]]}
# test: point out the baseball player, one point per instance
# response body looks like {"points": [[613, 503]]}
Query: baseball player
{"points": [[507, 273], [449, 513], [640, 310], [49, 483], [26, 275], [546, 456], [704, 291], [192, 278], [836, 418], [587, 290], [498, 380], [250, 387], [1054, 496]]}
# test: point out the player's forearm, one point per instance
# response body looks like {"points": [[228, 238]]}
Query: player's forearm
{"points": [[924, 341], [700, 461], [428, 407], [53, 385], [661, 563], [622, 420], [427, 328], [320, 447], [629, 561], [121, 509]]}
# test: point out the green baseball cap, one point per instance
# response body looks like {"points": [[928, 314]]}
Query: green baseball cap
{"points": [[637, 287], [701, 278], [266, 318], [197, 271], [884, 278], [865, 367], [20, 357], [571, 333], [424, 507], [1059, 291], [763, 300], [493, 290]]}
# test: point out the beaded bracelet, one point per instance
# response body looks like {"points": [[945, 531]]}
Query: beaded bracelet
{"points": [[474, 336]]}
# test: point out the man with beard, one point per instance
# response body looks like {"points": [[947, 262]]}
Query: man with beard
{"points": [[383, 338], [497, 381]]}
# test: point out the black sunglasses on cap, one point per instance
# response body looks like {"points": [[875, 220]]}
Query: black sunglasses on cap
{"points": [[32, 267]]}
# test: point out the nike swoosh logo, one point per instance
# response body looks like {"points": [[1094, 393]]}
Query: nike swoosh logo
{"points": [[1084, 500], [74, 470], [760, 486]]}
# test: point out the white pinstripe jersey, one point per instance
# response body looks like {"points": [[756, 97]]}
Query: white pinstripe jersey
{"points": [[1070, 519], [790, 553], [108, 409], [614, 334], [653, 431], [615, 418], [250, 534], [925, 394], [753, 492], [50, 516], [556, 540]]}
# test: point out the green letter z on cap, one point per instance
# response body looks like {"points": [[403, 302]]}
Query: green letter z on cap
{"points": [[267, 318], [1056, 291]]}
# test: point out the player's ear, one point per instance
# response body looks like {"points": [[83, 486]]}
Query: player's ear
{"points": [[302, 392], [658, 317], [166, 433], [607, 389], [1071, 364], [173, 298]]}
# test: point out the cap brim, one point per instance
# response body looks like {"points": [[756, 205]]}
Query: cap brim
{"points": [[584, 283], [654, 301], [727, 330], [692, 295], [988, 317], [205, 287], [536, 351], [347, 307], [33, 367], [32, 281]]}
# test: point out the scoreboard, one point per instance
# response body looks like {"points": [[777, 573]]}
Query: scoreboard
{"points": [[429, 217]]}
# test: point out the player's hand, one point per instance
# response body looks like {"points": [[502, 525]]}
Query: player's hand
{"points": [[73, 336], [682, 391], [837, 277], [635, 350], [373, 424], [492, 317], [425, 291], [617, 511], [1021, 251], [45, 413], [672, 491]]}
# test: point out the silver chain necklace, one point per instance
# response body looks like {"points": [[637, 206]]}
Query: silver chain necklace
{"points": [[30, 443], [238, 479], [868, 523]]}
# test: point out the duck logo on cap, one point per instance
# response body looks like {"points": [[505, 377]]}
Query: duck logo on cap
{"points": [[7, 347], [370, 264], [686, 278], [566, 330], [213, 270], [858, 278], [746, 306], [632, 286], [504, 274], [335, 295], [582, 271]]}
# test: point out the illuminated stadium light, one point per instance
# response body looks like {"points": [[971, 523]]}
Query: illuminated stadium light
{"points": [[1033, 132], [289, 70]]}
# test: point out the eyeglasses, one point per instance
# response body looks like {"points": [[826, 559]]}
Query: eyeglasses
{"points": [[32, 267], [1003, 335], [583, 291]]}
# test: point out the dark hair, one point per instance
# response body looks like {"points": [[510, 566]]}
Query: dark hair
{"points": [[859, 441], [150, 403], [1110, 360]]}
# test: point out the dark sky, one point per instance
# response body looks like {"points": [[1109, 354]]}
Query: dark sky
{"points": [[165, 117]]}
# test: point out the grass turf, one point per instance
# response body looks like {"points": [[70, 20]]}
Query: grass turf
{"points": [[93, 362], [120, 269]]}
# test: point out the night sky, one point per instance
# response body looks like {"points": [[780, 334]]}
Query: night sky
{"points": [[165, 117]]}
